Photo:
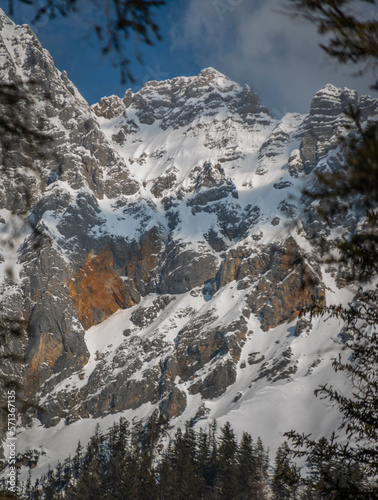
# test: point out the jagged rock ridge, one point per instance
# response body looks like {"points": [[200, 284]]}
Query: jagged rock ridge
{"points": [[166, 268]]}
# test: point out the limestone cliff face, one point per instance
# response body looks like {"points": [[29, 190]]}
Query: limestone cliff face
{"points": [[283, 281], [61, 141], [178, 207], [97, 290]]}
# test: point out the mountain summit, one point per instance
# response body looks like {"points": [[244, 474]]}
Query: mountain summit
{"points": [[162, 253]]}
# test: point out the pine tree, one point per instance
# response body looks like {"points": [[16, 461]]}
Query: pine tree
{"points": [[127, 463], [147, 445], [95, 463], [77, 461], [330, 476], [115, 450], [286, 476], [116, 21], [246, 466], [145, 479], [227, 463], [352, 37], [183, 461], [188, 463], [359, 411], [36, 495], [67, 471], [214, 462], [351, 188], [49, 486], [261, 483], [206, 464], [166, 479], [28, 487]]}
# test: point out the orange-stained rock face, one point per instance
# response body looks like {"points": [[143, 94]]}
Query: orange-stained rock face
{"points": [[284, 282], [48, 351], [97, 290]]}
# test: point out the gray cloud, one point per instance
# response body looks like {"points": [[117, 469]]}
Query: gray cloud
{"points": [[252, 42]]}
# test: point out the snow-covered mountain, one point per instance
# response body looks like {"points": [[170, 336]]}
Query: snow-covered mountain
{"points": [[162, 252]]}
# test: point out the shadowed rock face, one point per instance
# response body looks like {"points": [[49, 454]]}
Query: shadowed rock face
{"points": [[182, 268], [166, 214], [327, 116], [283, 283], [97, 288]]}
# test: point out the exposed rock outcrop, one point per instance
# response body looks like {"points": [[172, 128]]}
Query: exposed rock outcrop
{"points": [[173, 207], [280, 282], [97, 290]]}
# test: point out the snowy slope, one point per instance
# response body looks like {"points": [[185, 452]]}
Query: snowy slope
{"points": [[174, 256], [254, 403]]}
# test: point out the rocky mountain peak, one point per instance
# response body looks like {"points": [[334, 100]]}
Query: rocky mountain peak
{"points": [[4, 19], [177, 102], [211, 74], [209, 79], [206, 78], [166, 271], [327, 120], [333, 101]]}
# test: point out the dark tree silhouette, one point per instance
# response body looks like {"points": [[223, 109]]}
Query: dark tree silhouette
{"points": [[114, 24], [192, 465], [353, 33], [338, 468]]}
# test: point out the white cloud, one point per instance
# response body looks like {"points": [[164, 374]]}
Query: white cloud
{"points": [[252, 42]]}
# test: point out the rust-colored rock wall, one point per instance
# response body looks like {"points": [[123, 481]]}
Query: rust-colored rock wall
{"points": [[97, 290], [284, 282]]}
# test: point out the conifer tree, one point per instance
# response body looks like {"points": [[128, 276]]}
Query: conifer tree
{"points": [[166, 481], [118, 450], [28, 487], [261, 483], [330, 476], [286, 477], [227, 462], [359, 410], [67, 471], [352, 36], [183, 459], [36, 491], [352, 188], [246, 466], [206, 463], [77, 460], [49, 486], [90, 482]]}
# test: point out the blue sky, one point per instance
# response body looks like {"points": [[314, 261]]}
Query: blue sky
{"points": [[248, 40]]}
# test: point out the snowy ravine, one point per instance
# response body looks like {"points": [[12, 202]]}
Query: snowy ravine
{"points": [[168, 256]]}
